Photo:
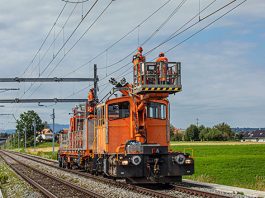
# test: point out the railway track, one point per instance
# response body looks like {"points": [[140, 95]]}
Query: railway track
{"points": [[135, 188], [47, 184]]}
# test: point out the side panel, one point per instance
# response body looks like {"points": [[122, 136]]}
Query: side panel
{"points": [[119, 133], [156, 131], [90, 128]]}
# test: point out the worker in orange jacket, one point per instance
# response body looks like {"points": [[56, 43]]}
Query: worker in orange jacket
{"points": [[91, 98], [162, 60], [137, 59]]}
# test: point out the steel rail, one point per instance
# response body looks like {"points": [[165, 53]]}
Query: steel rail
{"points": [[134, 188], [137, 189], [77, 188], [30, 181]]}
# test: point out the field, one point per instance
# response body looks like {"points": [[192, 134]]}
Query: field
{"points": [[42, 150], [233, 164]]}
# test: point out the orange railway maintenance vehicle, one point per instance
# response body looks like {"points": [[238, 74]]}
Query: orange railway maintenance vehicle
{"points": [[128, 137]]}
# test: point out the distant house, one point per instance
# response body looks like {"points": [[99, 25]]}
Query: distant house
{"points": [[44, 136], [254, 136]]}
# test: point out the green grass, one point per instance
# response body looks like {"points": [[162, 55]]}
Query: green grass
{"points": [[47, 155], [233, 165], [46, 144]]}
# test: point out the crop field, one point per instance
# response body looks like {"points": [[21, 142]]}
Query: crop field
{"points": [[241, 165]]}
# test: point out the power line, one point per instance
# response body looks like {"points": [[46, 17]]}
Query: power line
{"points": [[211, 23], [54, 57], [82, 35], [152, 35], [67, 40], [119, 40], [76, 42], [47, 36], [195, 32], [124, 66], [206, 26], [58, 34]]}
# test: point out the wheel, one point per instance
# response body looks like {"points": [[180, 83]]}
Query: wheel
{"points": [[60, 163], [63, 163]]}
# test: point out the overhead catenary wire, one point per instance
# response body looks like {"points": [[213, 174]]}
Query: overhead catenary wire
{"points": [[124, 66], [76, 42], [197, 32], [41, 46], [64, 44], [71, 35], [44, 41], [57, 36], [123, 37], [95, 21], [203, 28], [170, 38], [152, 35]]}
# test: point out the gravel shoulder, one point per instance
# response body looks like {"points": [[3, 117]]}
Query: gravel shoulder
{"points": [[97, 187], [13, 186], [238, 192]]}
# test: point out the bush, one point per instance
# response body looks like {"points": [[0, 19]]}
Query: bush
{"points": [[3, 178]]}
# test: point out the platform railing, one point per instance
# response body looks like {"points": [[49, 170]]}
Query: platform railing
{"points": [[152, 74]]}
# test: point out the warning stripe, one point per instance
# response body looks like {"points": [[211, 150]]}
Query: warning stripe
{"points": [[161, 89]]}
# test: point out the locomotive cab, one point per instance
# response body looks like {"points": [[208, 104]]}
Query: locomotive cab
{"points": [[147, 161]]}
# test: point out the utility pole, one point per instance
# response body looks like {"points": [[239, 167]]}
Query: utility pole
{"points": [[95, 82], [18, 140], [25, 133], [197, 122], [53, 117], [34, 125]]}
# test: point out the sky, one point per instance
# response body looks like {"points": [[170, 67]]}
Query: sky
{"points": [[223, 66]]}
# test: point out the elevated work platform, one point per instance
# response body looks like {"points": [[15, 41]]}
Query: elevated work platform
{"points": [[152, 77]]}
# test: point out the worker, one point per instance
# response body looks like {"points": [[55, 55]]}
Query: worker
{"points": [[162, 58], [91, 95], [162, 68], [91, 102], [138, 58], [171, 76]]}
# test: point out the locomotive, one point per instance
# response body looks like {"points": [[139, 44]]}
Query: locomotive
{"points": [[128, 136]]}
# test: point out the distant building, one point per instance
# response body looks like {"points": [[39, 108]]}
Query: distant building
{"points": [[254, 136], [44, 136]]}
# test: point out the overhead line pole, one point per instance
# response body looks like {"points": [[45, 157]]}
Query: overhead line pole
{"points": [[53, 118], [9, 89], [55, 100], [34, 125], [55, 79], [25, 137]]}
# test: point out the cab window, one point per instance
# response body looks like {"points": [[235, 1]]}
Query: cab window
{"points": [[156, 110], [119, 110], [101, 115]]}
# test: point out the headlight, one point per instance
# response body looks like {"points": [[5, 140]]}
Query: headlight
{"points": [[136, 160], [188, 161], [124, 162], [180, 159]]}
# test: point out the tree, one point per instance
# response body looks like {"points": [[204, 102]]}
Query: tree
{"points": [[192, 133], [215, 135], [175, 135], [25, 122], [172, 129], [226, 130], [204, 134]]}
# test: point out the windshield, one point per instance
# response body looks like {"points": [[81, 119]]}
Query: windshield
{"points": [[119, 110], [156, 110]]}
